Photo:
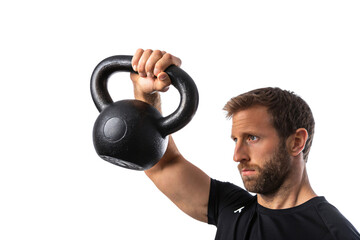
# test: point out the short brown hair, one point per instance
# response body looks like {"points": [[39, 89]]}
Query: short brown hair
{"points": [[289, 111]]}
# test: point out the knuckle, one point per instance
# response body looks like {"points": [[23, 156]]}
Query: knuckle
{"points": [[167, 56], [179, 62], [137, 55], [148, 51], [157, 53], [139, 51]]}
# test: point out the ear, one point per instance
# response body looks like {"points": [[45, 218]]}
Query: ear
{"points": [[296, 142]]}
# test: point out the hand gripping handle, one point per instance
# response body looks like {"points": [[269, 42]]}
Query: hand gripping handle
{"points": [[189, 96]]}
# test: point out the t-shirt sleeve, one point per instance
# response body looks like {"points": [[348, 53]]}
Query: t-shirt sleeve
{"points": [[224, 195], [338, 225]]}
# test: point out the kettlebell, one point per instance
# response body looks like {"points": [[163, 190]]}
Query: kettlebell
{"points": [[131, 133]]}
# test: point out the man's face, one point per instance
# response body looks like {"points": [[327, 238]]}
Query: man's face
{"points": [[264, 162]]}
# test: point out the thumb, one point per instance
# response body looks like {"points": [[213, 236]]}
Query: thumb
{"points": [[162, 83], [134, 77]]}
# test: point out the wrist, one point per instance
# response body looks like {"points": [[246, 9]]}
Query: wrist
{"points": [[150, 98]]}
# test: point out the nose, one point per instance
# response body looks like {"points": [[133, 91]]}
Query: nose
{"points": [[241, 152]]}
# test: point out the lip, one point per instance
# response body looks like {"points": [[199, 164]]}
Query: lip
{"points": [[247, 172]]}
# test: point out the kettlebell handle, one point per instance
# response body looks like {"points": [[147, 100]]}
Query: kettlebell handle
{"points": [[189, 96]]}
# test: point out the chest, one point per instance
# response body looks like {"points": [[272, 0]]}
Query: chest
{"points": [[249, 224]]}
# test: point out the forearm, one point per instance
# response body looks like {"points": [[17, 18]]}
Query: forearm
{"points": [[172, 152], [153, 99], [182, 182], [171, 156]]}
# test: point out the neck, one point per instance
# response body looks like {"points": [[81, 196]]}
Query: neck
{"points": [[295, 191]]}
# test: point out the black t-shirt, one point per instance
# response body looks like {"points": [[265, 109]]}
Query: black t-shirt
{"points": [[237, 215]]}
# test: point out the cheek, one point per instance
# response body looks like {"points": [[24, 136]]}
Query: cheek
{"points": [[261, 153]]}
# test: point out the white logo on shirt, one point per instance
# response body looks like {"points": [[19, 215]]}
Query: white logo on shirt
{"points": [[238, 210]]}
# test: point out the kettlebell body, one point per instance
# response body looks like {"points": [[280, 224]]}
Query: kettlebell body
{"points": [[131, 133], [126, 134]]}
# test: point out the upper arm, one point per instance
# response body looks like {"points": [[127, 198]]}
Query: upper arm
{"points": [[182, 182]]}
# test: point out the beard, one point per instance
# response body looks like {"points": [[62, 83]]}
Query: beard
{"points": [[271, 176]]}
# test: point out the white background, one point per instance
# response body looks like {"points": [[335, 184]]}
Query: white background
{"points": [[52, 183]]}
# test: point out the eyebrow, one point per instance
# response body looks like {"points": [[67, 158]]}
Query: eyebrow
{"points": [[251, 132]]}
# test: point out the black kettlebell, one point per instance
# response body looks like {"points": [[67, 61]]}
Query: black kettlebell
{"points": [[131, 133]]}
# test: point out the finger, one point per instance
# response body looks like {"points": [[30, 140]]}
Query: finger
{"points": [[150, 64], [162, 83], [156, 70], [166, 61], [136, 58], [142, 62]]}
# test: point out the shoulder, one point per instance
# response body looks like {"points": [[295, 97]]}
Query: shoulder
{"points": [[228, 192], [337, 224], [225, 197]]}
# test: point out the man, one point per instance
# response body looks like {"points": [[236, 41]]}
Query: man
{"points": [[272, 131]]}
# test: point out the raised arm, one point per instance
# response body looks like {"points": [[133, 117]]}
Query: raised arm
{"points": [[182, 182]]}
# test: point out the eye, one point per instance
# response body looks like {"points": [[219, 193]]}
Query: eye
{"points": [[253, 138]]}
